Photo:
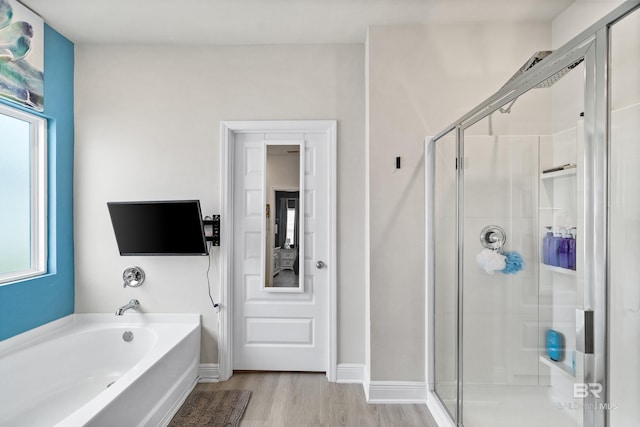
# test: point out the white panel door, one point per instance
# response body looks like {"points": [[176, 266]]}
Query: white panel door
{"points": [[281, 330]]}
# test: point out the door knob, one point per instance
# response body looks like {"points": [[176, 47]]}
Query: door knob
{"points": [[320, 264]]}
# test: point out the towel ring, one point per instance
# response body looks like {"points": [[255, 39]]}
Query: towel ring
{"points": [[493, 237]]}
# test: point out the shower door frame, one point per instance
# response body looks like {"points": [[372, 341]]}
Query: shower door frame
{"points": [[592, 45]]}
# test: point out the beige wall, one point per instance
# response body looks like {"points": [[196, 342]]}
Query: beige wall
{"points": [[147, 128], [420, 79], [579, 16], [147, 123]]}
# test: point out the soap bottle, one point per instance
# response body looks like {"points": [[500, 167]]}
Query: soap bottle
{"points": [[572, 248], [563, 248], [546, 246], [554, 247]]}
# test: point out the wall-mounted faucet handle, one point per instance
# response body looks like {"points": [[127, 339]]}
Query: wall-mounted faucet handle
{"points": [[493, 237], [133, 277]]}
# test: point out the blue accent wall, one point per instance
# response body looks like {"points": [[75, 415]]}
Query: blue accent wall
{"points": [[30, 303]]}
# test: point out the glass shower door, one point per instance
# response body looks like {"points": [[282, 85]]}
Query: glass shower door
{"points": [[521, 216], [624, 223], [445, 270], [535, 311]]}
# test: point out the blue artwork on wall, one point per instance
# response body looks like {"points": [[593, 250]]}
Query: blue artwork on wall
{"points": [[21, 55]]}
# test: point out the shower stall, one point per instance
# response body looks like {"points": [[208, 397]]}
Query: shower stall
{"points": [[533, 242]]}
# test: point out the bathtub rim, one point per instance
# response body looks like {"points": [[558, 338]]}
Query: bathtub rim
{"points": [[58, 327]]}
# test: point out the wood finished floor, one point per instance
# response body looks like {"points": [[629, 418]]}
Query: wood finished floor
{"points": [[308, 399]]}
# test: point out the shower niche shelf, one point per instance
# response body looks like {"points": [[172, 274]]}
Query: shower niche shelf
{"points": [[558, 366], [559, 270], [558, 174]]}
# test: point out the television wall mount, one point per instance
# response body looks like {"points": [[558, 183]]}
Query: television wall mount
{"points": [[212, 230]]}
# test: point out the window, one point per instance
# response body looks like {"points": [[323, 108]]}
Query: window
{"points": [[23, 190]]}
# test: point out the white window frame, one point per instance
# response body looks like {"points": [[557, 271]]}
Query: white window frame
{"points": [[38, 189]]}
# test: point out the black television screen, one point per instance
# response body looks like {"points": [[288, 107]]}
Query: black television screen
{"points": [[158, 228]]}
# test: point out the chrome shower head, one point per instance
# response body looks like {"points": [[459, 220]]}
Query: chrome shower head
{"points": [[560, 74], [531, 62], [537, 58]]}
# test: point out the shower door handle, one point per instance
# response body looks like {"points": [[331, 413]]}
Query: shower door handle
{"points": [[584, 331]]}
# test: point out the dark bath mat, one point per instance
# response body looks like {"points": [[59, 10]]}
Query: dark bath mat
{"points": [[215, 408]]}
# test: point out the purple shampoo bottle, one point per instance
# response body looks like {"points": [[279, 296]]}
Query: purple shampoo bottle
{"points": [[554, 248], [572, 248], [563, 249], [546, 246]]}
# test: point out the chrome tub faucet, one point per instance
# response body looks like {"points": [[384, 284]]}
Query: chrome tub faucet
{"points": [[133, 304]]}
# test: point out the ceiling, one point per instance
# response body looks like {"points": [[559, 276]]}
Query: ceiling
{"points": [[267, 21]]}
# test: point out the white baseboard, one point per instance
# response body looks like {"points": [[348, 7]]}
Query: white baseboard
{"points": [[350, 373], [365, 383], [208, 373], [382, 391], [439, 413], [396, 392]]}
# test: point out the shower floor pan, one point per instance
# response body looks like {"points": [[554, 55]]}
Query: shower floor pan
{"points": [[524, 406]]}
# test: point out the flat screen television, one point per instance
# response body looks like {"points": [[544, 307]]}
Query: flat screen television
{"points": [[173, 227]]}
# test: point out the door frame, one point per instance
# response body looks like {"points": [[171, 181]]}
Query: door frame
{"points": [[228, 130]]}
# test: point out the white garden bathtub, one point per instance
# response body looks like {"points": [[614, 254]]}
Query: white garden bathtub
{"points": [[80, 371]]}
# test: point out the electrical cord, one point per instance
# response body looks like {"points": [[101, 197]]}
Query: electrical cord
{"points": [[215, 305]]}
